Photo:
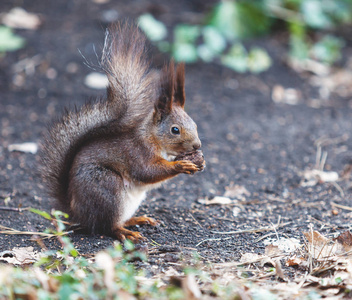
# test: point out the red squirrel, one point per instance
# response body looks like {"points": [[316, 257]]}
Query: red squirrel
{"points": [[101, 159]]}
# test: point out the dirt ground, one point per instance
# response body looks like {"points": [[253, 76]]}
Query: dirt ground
{"points": [[256, 149]]}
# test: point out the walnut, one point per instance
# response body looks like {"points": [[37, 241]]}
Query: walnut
{"points": [[195, 157]]}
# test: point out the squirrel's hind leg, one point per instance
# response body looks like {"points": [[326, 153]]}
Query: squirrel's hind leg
{"points": [[96, 197]]}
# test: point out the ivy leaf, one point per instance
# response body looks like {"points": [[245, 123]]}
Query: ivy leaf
{"points": [[42, 213], [205, 53], [236, 58], [328, 49], [238, 20], [185, 52], [154, 29], [314, 14], [186, 33], [258, 60], [299, 47], [9, 41], [184, 48], [213, 39]]}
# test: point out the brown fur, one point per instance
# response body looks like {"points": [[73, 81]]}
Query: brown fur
{"points": [[100, 160]]}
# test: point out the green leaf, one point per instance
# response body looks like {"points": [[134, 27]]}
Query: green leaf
{"points": [[57, 214], [339, 11], [185, 52], [42, 213], [184, 48], [205, 53], [238, 20], [154, 29], [328, 49], [129, 245], [186, 33], [338, 280], [299, 47], [9, 41], [236, 58], [314, 14], [258, 60], [213, 39], [164, 46]]}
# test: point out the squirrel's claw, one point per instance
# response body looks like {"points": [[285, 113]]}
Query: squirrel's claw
{"points": [[202, 167], [122, 234]]}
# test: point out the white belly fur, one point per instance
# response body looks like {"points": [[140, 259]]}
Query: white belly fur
{"points": [[134, 197]]}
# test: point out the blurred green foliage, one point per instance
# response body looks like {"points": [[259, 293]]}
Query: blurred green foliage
{"points": [[309, 23], [65, 274], [9, 41]]}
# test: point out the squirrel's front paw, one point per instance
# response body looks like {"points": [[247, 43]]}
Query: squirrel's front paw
{"points": [[185, 166]]}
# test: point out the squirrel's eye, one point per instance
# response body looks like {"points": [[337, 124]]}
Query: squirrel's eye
{"points": [[175, 130]]}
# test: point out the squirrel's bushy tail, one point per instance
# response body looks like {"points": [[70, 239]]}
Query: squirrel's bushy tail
{"points": [[133, 85], [130, 98]]}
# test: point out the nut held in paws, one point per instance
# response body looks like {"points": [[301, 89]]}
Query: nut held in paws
{"points": [[195, 157]]}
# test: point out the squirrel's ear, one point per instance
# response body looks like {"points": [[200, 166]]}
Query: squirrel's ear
{"points": [[163, 104], [180, 95]]}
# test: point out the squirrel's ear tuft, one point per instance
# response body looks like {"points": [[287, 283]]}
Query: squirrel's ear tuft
{"points": [[180, 95], [163, 105]]}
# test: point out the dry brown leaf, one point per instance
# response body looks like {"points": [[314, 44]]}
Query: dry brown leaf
{"points": [[309, 65], [278, 268], [295, 261], [250, 257], [314, 237], [272, 250], [319, 246], [191, 288], [171, 272], [106, 263], [287, 245], [288, 96], [345, 240], [123, 295], [313, 177], [48, 283], [21, 19], [236, 191], [338, 82], [217, 200], [20, 256]]}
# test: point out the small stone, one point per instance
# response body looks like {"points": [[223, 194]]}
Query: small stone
{"points": [[96, 80]]}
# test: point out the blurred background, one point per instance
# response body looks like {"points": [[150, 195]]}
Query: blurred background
{"points": [[268, 82], [227, 32]]}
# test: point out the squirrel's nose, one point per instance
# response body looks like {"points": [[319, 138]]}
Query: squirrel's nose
{"points": [[197, 145]]}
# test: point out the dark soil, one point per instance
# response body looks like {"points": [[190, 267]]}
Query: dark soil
{"points": [[248, 139]]}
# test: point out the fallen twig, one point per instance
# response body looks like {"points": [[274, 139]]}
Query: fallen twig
{"points": [[260, 229], [18, 209], [8, 230], [210, 240], [339, 189], [341, 206]]}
